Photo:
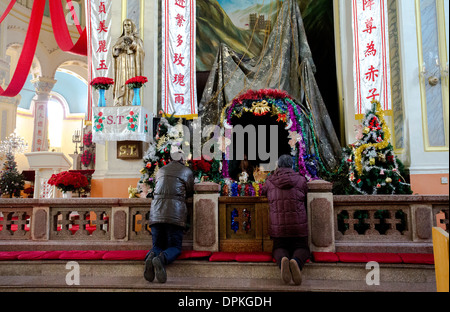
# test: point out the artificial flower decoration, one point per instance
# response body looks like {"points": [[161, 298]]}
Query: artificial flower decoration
{"points": [[87, 139], [102, 83], [86, 158], [136, 82], [294, 138]]}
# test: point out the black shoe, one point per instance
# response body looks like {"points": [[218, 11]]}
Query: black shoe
{"points": [[149, 273], [160, 270]]}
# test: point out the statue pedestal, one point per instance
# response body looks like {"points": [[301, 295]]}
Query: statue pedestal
{"points": [[45, 164]]}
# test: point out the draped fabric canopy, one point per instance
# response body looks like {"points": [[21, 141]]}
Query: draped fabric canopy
{"points": [[286, 64], [62, 37]]}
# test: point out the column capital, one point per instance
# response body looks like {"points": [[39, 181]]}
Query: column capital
{"points": [[43, 87]]}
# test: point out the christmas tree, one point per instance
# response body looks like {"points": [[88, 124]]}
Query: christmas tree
{"points": [[169, 138], [11, 181], [372, 165]]}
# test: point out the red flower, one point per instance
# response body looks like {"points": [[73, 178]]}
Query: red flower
{"points": [[136, 82], [102, 83], [68, 181]]}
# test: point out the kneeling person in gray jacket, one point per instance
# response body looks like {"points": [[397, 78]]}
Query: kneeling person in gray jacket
{"points": [[168, 214]]}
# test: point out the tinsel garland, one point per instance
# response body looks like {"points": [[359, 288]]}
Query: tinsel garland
{"points": [[256, 188], [234, 224], [234, 189]]}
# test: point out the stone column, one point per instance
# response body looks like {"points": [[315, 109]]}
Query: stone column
{"points": [[206, 217], [43, 87], [321, 216]]}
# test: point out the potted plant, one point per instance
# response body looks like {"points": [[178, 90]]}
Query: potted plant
{"points": [[67, 182]]}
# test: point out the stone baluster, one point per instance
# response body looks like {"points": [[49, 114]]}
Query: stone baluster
{"points": [[206, 217], [40, 226], [321, 216]]}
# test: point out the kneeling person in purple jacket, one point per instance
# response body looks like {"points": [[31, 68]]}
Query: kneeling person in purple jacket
{"points": [[286, 191]]}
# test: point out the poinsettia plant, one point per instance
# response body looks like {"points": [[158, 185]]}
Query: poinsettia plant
{"points": [[136, 82], [68, 181], [102, 83]]}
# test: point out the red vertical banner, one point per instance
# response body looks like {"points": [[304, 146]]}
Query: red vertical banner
{"points": [[179, 91], [371, 54]]}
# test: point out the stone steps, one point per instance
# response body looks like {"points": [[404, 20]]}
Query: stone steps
{"points": [[187, 275]]}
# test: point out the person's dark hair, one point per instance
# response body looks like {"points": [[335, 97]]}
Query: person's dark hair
{"points": [[285, 161]]}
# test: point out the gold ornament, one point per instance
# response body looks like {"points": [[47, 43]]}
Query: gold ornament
{"points": [[260, 108], [388, 180]]}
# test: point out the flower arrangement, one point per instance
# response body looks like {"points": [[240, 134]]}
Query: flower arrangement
{"points": [[200, 167], [68, 181], [102, 83], [136, 82], [86, 158]]}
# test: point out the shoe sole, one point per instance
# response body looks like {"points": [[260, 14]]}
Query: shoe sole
{"points": [[149, 272], [285, 272], [296, 272], [160, 271]]}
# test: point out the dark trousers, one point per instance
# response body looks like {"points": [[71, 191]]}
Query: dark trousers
{"points": [[167, 239], [291, 247]]}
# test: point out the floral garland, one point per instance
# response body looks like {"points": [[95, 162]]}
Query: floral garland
{"points": [[86, 158], [102, 83], [87, 139]]}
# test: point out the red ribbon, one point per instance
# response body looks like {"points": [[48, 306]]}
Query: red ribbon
{"points": [[62, 37], [61, 31], [74, 16], [28, 50], [8, 9]]}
